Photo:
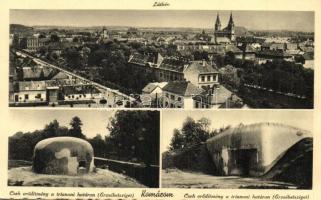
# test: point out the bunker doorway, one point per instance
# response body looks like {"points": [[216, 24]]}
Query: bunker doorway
{"points": [[244, 161], [81, 167], [82, 163]]}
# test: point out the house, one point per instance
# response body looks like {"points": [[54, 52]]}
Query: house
{"points": [[152, 93], [201, 74], [80, 93], [308, 60], [249, 53], [217, 97], [179, 94], [171, 69], [269, 55], [30, 91], [38, 73]]}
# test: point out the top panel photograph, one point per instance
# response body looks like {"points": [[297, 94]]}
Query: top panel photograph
{"points": [[183, 59]]}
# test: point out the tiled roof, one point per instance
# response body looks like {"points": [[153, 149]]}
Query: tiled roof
{"points": [[183, 88], [80, 89], [140, 59], [249, 49], [272, 53], [32, 85], [150, 87], [232, 48], [219, 96], [307, 49], [60, 75], [308, 56], [36, 72], [198, 67]]}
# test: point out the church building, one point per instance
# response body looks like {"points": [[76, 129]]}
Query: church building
{"points": [[225, 35]]}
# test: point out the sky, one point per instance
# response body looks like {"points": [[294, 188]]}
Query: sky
{"points": [[94, 121], [174, 119], [258, 20]]}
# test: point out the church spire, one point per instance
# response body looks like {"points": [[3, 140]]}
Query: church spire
{"points": [[231, 22], [218, 22]]}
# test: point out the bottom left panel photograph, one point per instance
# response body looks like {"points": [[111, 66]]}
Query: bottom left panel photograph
{"points": [[83, 148]]}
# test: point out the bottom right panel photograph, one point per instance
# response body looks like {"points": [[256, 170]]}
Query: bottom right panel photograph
{"points": [[261, 149]]}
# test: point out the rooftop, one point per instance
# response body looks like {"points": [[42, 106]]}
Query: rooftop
{"points": [[200, 67], [150, 87], [79, 89], [32, 85], [183, 88]]}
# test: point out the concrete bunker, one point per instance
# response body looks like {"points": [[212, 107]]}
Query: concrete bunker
{"points": [[252, 150], [63, 155]]}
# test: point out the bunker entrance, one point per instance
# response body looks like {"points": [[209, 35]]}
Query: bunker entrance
{"points": [[82, 163], [243, 161]]}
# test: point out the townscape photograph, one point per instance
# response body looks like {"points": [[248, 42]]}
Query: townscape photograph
{"points": [[255, 150], [65, 148], [184, 59]]}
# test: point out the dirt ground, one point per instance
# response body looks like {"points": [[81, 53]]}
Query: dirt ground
{"points": [[174, 178], [23, 176]]}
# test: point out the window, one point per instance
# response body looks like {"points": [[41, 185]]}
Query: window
{"points": [[84, 95], [203, 78], [38, 96], [26, 96], [172, 105], [179, 98], [208, 78], [172, 97], [167, 95]]}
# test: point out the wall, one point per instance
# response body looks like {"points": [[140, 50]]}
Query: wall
{"points": [[173, 102], [31, 96], [147, 175], [262, 144]]}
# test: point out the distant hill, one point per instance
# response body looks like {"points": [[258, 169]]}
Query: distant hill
{"points": [[14, 28], [241, 31]]}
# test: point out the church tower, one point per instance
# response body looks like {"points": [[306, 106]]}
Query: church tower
{"points": [[231, 28], [217, 23]]}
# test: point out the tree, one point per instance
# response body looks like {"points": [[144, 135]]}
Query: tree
{"points": [[75, 130], [135, 136], [177, 141], [192, 133], [54, 38], [51, 129], [205, 123], [73, 58], [98, 145]]}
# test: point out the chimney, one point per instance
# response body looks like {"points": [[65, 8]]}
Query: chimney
{"points": [[203, 62]]}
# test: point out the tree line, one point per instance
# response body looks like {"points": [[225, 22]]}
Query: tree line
{"points": [[193, 132]]}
